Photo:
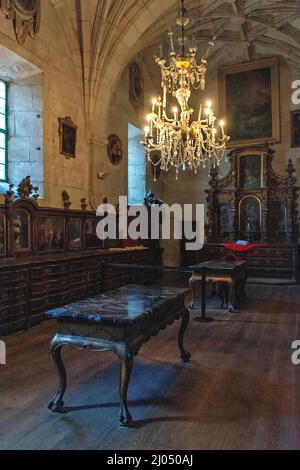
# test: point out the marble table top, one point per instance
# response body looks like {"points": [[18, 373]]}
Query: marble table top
{"points": [[123, 306]]}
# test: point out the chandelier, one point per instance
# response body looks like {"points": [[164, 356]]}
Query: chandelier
{"points": [[177, 141]]}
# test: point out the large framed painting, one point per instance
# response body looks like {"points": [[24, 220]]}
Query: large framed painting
{"points": [[250, 102], [295, 128], [50, 234]]}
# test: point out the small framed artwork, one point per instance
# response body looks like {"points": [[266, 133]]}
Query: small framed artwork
{"points": [[50, 234], [75, 234], [250, 102], [2, 234], [114, 149], [295, 128], [67, 137], [21, 231]]}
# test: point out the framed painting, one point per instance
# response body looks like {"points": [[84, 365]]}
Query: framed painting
{"points": [[2, 234], [50, 234], [75, 234], [250, 171], [250, 102], [67, 137], [295, 129], [21, 231], [114, 149]]}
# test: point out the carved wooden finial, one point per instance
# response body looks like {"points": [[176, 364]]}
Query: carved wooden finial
{"points": [[26, 190], [66, 200], [84, 204]]}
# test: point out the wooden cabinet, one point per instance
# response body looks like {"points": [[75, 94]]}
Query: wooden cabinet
{"points": [[29, 286], [265, 261]]}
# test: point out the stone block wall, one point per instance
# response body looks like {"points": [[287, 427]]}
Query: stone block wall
{"points": [[25, 142]]}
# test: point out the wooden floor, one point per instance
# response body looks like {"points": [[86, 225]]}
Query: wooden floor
{"points": [[240, 391]]}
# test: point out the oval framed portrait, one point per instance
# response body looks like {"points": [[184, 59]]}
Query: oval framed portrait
{"points": [[114, 149]]}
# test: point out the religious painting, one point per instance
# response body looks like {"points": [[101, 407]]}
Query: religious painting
{"points": [[250, 217], [249, 100], [114, 149], [2, 234], [26, 17], [91, 239], [75, 234], [50, 234], [21, 230], [67, 137], [295, 129], [250, 172], [136, 85]]}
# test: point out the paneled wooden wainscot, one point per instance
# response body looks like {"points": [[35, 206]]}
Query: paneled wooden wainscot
{"points": [[50, 257]]}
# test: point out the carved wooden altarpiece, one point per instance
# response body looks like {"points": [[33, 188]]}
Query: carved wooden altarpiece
{"points": [[252, 202]]}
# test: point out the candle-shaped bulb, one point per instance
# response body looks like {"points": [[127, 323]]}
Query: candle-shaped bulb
{"points": [[154, 103], [209, 104], [161, 51], [147, 129], [175, 111], [171, 42]]}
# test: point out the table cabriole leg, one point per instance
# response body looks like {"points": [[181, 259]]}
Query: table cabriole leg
{"points": [[125, 374], [57, 403]]}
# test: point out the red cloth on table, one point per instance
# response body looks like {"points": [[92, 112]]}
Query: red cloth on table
{"points": [[235, 247]]}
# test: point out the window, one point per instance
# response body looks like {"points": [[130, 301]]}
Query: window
{"points": [[136, 167], [3, 131]]}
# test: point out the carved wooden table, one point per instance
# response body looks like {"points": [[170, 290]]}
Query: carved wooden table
{"points": [[233, 274], [121, 320]]}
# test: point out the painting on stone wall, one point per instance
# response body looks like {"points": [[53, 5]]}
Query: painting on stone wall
{"points": [[50, 234], [67, 137], [249, 99], [295, 129], [21, 230], [114, 149], [75, 234], [2, 234]]}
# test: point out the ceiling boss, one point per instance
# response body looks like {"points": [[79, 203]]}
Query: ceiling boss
{"points": [[181, 142], [26, 16]]}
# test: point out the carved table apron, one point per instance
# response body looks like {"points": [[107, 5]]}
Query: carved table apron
{"points": [[121, 320]]}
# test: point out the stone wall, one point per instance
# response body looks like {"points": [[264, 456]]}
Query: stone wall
{"points": [[54, 54], [25, 141]]}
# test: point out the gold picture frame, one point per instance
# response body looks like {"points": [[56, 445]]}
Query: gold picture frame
{"points": [[249, 96], [67, 137]]}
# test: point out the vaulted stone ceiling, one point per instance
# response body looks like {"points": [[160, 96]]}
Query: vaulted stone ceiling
{"points": [[106, 34]]}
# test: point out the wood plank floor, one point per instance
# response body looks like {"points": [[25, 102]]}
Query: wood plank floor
{"points": [[240, 391]]}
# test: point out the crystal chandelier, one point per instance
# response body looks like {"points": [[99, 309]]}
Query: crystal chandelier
{"points": [[176, 141]]}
